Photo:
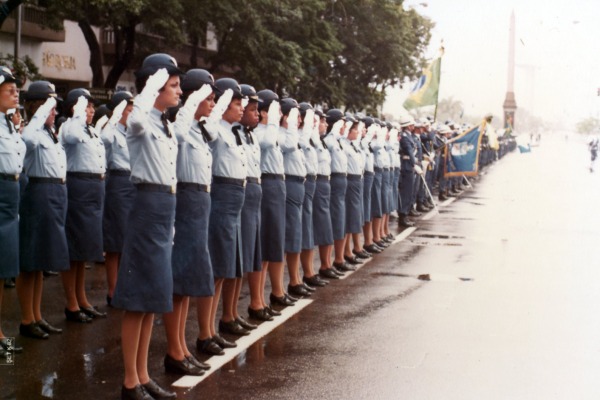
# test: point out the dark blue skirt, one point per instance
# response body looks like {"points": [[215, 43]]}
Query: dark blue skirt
{"points": [[251, 251], [376, 211], [386, 186], [321, 217], [145, 279], [272, 229], [367, 187], [43, 241], [395, 190], [406, 191], [308, 239], [225, 230], [337, 206], [192, 269], [84, 218], [9, 229], [293, 215], [354, 206], [120, 193]]}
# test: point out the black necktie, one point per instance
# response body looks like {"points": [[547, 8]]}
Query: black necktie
{"points": [[205, 134], [249, 137], [323, 142], [165, 122], [9, 123], [49, 130], [89, 131], [236, 133]]}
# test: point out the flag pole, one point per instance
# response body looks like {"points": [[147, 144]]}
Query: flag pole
{"points": [[438, 94]]}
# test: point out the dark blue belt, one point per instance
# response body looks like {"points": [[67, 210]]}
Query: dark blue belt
{"points": [[154, 187], [295, 178], [323, 178], [119, 172], [251, 179], [9, 177], [36, 179], [369, 173], [194, 186], [334, 174], [311, 178], [230, 181], [353, 177], [279, 177], [86, 175]]}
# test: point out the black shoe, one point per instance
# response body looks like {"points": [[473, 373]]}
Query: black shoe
{"points": [[136, 393], [181, 367], [233, 328], [386, 239], [361, 254], [306, 286], [272, 312], [352, 260], [281, 301], [372, 248], [10, 346], [404, 221], [157, 392], [46, 327], [337, 271], [260, 315], [193, 360], [108, 300], [209, 346], [32, 330], [344, 267], [299, 290], [93, 312], [422, 208], [223, 343], [10, 283], [291, 298], [442, 197], [414, 213], [328, 273], [245, 324], [77, 316], [381, 244], [315, 281]]}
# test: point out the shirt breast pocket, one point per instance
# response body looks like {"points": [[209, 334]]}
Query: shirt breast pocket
{"points": [[161, 142]]}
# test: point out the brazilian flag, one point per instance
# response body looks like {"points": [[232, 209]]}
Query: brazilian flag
{"points": [[425, 91]]}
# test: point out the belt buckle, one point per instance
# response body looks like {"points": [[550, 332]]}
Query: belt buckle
{"points": [[62, 180], [304, 180], [207, 188], [17, 177], [173, 189], [328, 177], [101, 177], [243, 183], [259, 181]]}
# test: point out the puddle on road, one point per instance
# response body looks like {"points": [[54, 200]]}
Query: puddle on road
{"points": [[426, 277]]}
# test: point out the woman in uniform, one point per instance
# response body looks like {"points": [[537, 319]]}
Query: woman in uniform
{"points": [[43, 242], [145, 279], [12, 150], [86, 165]]}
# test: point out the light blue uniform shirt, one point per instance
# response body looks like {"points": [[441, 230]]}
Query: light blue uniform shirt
{"points": [[252, 151], [85, 151], [368, 155], [339, 160], [271, 158], [324, 159], [115, 144], [310, 155], [293, 156], [194, 156], [12, 148], [396, 154], [44, 158], [153, 155], [355, 160], [229, 158], [379, 154]]}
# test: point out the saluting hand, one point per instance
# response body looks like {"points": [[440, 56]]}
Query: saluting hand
{"points": [[337, 127], [41, 115], [221, 106], [79, 108], [292, 119], [156, 81], [274, 114]]}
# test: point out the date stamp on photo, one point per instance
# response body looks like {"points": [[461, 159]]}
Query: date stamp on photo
{"points": [[7, 351]]}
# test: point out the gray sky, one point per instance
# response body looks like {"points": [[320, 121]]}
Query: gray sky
{"points": [[557, 46]]}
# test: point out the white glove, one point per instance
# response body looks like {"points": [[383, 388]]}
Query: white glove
{"points": [[361, 128], [1, 79], [41, 115], [79, 108], [221, 106], [371, 131], [347, 127], [197, 97], [101, 122], [337, 127], [418, 170], [274, 114], [309, 123], [117, 114], [292, 119], [156, 81]]}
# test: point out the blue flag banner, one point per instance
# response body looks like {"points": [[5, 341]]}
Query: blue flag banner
{"points": [[461, 156]]}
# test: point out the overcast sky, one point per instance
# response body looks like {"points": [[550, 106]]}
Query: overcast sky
{"points": [[557, 45]]}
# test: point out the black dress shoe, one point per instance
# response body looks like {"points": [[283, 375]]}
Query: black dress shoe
{"points": [[181, 367], [209, 346], [361, 254], [291, 298], [136, 393], [442, 197], [46, 327], [77, 316], [193, 360], [281, 301], [245, 324], [352, 260], [10, 346], [260, 315], [32, 330], [344, 267], [299, 290], [404, 221], [273, 312], [373, 249], [414, 213], [221, 341], [382, 244], [315, 281], [422, 208], [233, 328], [93, 312], [306, 286], [386, 239], [10, 283], [157, 392], [328, 273]]}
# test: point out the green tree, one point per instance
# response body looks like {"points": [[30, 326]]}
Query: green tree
{"points": [[449, 108], [589, 125]]}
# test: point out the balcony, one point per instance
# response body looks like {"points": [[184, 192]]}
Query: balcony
{"points": [[32, 25]]}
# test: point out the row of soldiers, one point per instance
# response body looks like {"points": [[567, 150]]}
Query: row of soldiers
{"points": [[190, 186]]}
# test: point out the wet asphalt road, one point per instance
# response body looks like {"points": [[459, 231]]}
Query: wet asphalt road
{"points": [[506, 308]]}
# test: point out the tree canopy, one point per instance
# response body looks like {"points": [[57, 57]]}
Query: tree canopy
{"points": [[341, 53]]}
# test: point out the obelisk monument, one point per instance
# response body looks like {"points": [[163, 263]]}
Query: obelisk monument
{"points": [[510, 104]]}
